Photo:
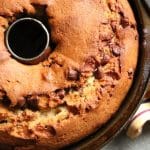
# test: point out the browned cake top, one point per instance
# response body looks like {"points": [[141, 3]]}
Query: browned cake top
{"points": [[82, 82]]}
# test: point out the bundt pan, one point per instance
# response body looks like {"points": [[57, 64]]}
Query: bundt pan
{"points": [[134, 97]]}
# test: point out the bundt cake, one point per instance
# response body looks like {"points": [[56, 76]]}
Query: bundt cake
{"points": [[80, 85]]}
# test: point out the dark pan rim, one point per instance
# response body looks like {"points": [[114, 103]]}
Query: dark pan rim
{"points": [[134, 97]]}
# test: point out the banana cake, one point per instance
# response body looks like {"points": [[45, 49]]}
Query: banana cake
{"points": [[82, 82]]}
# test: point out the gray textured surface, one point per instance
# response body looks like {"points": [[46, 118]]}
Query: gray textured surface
{"points": [[122, 142], [147, 2]]}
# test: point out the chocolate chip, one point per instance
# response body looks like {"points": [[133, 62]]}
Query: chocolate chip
{"points": [[130, 73], [125, 22], [99, 73], [74, 110], [133, 26], [51, 130], [114, 75], [116, 50], [6, 101], [3, 121], [114, 25], [136, 37], [90, 65], [72, 74], [61, 93], [32, 103], [105, 60], [2, 94]]}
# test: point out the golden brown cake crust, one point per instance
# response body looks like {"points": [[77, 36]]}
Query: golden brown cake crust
{"points": [[83, 81]]}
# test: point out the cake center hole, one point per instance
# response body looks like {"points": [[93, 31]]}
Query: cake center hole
{"points": [[27, 38]]}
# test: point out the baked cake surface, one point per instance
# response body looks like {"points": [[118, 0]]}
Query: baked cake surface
{"points": [[83, 81]]}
